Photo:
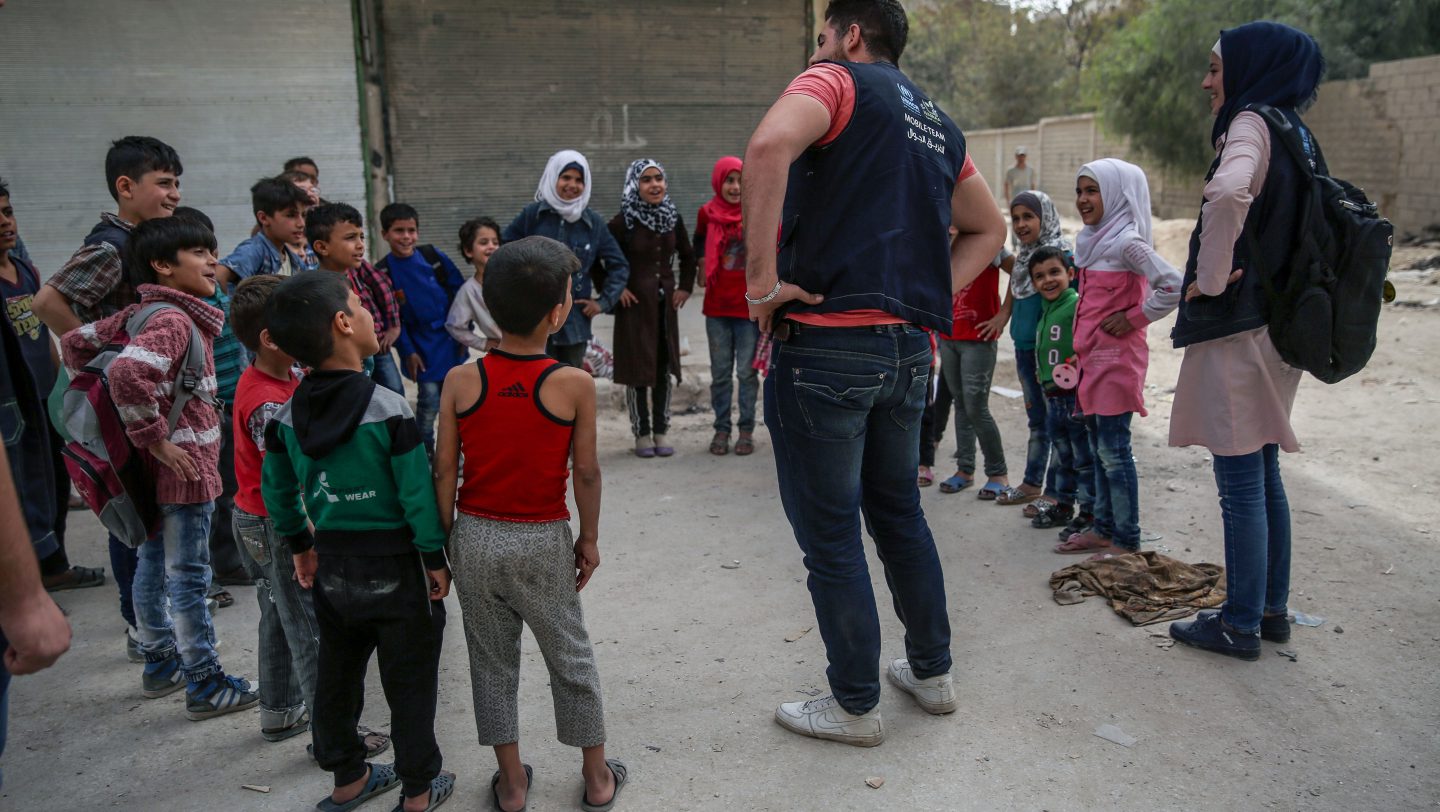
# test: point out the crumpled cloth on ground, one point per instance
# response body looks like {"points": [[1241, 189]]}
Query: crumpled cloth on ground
{"points": [[1143, 588]]}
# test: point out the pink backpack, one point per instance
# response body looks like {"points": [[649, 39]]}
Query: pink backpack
{"points": [[109, 472]]}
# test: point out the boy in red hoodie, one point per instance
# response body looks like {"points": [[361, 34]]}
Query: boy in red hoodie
{"points": [[172, 260]]}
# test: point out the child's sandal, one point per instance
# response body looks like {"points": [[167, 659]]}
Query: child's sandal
{"points": [[745, 446], [1041, 503], [720, 444], [1054, 516]]}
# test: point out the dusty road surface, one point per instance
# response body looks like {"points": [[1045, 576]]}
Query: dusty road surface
{"points": [[694, 656]]}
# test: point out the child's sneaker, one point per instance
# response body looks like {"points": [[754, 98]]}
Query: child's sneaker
{"points": [[933, 694], [219, 694], [1275, 628], [1083, 521], [162, 678], [1207, 631], [823, 718]]}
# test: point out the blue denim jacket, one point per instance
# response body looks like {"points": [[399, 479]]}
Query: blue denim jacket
{"points": [[257, 255], [602, 262]]}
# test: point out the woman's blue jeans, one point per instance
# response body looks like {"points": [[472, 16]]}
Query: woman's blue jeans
{"points": [[1256, 516], [175, 565], [843, 406]]}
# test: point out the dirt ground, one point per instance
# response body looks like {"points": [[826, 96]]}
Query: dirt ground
{"points": [[694, 656]]}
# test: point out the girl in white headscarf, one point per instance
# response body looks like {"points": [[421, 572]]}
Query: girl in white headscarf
{"points": [[1124, 285], [561, 211]]}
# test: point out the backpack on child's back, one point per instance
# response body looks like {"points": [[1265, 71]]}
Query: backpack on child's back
{"points": [[110, 473]]}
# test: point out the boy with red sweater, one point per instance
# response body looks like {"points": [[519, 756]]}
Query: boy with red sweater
{"points": [[172, 261]]}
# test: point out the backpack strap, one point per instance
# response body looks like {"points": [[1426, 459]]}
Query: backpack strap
{"points": [[1289, 136], [383, 265], [192, 369], [437, 265]]}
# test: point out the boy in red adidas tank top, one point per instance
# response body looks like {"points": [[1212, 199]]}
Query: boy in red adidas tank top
{"points": [[517, 417]]}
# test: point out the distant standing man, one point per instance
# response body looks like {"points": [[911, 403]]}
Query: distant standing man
{"points": [[1019, 178], [868, 174]]}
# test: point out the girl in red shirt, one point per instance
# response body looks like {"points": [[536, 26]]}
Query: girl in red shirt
{"points": [[720, 242]]}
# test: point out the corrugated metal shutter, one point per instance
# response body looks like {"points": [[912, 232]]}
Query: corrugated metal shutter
{"points": [[479, 94], [236, 88]]}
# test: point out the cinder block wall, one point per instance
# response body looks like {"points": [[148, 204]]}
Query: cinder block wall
{"points": [[1381, 133]]}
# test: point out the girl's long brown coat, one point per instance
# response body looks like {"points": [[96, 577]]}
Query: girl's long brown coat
{"points": [[652, 280]]}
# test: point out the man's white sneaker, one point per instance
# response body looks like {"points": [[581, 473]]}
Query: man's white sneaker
{"points": [[933, 694], [823, 718]]}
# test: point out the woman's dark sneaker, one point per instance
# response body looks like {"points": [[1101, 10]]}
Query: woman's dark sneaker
{"points": [[1053, 516], [1275, 628], [1082, 522], [162, 678], [1207, 631], [217, 695]]}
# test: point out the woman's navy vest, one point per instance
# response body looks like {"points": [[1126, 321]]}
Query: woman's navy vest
{"points": [[1272, 221], [867, 216]]}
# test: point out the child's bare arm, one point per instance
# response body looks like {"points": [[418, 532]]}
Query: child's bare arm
{"points": [[587, 480], [447, 452]]}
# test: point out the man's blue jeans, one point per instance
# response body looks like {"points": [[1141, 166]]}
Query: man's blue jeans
{"points": [[1117, 487], [1072, 462], [1037, 450], [176, 565], [427, 408], [386, 373], [732, 356], [289, 644], [843, 406], [1256, 515]]}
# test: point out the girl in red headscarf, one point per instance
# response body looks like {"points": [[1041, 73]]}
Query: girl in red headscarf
{"points": [[720, 239]]}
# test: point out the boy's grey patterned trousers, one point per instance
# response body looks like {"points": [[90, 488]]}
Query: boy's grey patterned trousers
{"points": [[507, 573]]}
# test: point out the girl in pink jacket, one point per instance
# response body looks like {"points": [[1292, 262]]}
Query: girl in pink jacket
{"points": [[1124, 286]]}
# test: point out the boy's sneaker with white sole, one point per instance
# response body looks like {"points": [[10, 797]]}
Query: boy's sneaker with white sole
{"points": [[933, 694], [823, 718], [219, 694]]}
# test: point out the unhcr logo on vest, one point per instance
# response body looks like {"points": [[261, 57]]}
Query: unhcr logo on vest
{"points": [[907, 98]]}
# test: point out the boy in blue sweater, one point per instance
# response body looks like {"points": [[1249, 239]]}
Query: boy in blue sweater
{"points": [[425, 282]]}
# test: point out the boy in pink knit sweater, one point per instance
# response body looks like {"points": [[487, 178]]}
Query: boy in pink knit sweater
{"points": [[172, 260]]}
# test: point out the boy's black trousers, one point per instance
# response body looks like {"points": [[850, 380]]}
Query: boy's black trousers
{"points": [[379, 604]]}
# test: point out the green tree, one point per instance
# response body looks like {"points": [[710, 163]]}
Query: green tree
{"points": [[988, 64]]}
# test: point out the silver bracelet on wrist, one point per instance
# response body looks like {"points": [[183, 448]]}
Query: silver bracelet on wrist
{"points": [[767, 297]]}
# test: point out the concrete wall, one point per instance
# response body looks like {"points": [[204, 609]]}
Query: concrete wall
{"points": [[1381, 133]]}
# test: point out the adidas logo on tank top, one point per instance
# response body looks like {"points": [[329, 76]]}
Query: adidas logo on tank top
{"points": [[514, 390]]}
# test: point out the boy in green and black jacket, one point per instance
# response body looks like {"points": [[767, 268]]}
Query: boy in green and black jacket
{"points": [[346, 455], [1051, 272]]}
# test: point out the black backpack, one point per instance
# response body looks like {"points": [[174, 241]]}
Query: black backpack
{"points": [[1325, 302], [430, 255]]}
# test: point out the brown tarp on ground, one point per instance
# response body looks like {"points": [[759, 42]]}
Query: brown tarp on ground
{"points": [[1143, 588]]}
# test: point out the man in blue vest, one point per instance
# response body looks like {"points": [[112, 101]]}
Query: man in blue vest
{"points": [[862, 175]]}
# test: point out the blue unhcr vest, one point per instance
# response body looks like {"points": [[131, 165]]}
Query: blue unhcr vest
{"points": [[866, 216]]}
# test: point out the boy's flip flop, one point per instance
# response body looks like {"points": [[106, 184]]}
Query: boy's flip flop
{"points": [[382, 779], [495, 788], [441, 788], [617, 768]]}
